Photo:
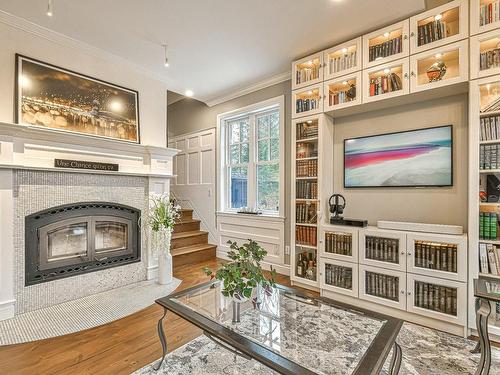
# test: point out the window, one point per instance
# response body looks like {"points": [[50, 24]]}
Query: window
{"points": [[251, 158]]}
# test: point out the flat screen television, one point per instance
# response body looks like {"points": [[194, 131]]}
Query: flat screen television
{"points": [[415, 158]]}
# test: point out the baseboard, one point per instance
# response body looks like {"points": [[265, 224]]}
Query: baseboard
{"points": [[7, 309], [282, 269], [151, 272]]}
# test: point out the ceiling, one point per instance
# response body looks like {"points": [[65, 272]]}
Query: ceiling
{"points": [[215, 47]]}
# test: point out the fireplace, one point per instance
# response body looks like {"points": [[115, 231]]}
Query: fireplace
{"points": [[78, 238]]}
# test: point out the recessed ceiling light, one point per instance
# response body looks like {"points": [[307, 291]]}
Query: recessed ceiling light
{"points": [[437, 17], [189, 93], [50, 10]]}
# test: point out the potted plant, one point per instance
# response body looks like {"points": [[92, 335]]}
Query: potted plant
{"points": [[243, 274], [163, 214]]}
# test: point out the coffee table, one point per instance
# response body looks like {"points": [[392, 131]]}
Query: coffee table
{"points": [[288, 332]]}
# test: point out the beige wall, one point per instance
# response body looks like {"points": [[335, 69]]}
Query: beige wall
{"points": [[189, 115], [429, 205]]}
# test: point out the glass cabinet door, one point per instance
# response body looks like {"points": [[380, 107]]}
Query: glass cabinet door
{"points": [[386, 81], [339, 243], [387, 44], [307, 101], [386, 287], [381, 248], [342, 59], [445, 24], [484, 16], [485, 54], [340, 277], [439, 67], [307, 71], [342, 92]]}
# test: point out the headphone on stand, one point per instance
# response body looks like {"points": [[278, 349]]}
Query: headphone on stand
{"points": [[337, 208]]}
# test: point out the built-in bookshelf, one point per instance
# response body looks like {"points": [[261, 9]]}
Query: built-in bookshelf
{"points": [[308, 135], [484, 200]]}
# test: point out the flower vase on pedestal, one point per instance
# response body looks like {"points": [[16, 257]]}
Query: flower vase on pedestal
{"points": [[162, 240]]}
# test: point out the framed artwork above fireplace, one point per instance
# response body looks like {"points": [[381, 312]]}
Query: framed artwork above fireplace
{"points": [[59, 99]]}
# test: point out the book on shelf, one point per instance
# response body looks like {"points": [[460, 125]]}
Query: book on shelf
{"points": [[307, 74], [340, 96], [436, 256], [432, 31], [304, 105], [305, 235], [307, 168], [382, 249], [489, 13], [489, 155], [305, 130], [489, 59], [385, 84], [306, 189], [489, 128], [343, 62], [380, 285], [305, 213], [388, 48], [489, 259], [435, 297], [338, 276], [488, 225], [338, 243]]}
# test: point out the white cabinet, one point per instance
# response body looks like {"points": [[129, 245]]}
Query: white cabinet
{"points": [[307, 71], [342, 92], [340, 277], [436, 298], [339, 242], [387, 44], [485, 54], [386, 81], [445, 24], [307, 101], [383, 248], [439, 67], [383, 286], [484, 16], [342, 59]]}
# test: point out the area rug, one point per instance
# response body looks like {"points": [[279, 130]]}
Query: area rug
{"points": [[425, 352], [82, 313]]}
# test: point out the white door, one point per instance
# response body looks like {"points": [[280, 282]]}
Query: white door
{"points": [[194, 167]]}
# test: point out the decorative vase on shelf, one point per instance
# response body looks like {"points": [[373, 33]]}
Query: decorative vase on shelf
{"points": [[162, 239]]}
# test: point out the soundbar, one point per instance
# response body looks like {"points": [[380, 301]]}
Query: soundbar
{"points": [[348, 222], [420, 227]]}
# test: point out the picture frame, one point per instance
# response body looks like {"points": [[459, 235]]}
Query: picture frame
{"points": [[58, 99]]}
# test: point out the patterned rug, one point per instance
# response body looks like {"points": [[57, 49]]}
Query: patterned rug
{"points": [[83, 313], [425, 352]]}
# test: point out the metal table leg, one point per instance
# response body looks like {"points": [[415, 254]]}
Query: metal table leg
{"points": [[163, 340], [397, 355], [482, 316], [477, 349]]}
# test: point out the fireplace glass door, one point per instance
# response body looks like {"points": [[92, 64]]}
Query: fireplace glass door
{"points": [[111, 237]]}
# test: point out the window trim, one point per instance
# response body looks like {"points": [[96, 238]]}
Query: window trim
{"points": [[223, 149]]}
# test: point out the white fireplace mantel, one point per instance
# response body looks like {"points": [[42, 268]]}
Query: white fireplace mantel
{"points": [[31, 147]]}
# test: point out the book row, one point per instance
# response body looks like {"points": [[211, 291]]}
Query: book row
{"points": [[489, 59], [304, 105], [436, 256], [384, 286], [307, 74], [305, 130], [489, 156], [489, 259], [384, 84], [306, 189], [435, 297], [338, 243], [339, 97], [489, 13], [387, 48], [338, 276], [489, 128], [340, 63], [488, 225], [305, 213], [382, 249], [432, 31], [307, 168], [306, 235]]}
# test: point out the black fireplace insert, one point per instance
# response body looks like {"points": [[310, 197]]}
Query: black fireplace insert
{"points": [[78, 238]]}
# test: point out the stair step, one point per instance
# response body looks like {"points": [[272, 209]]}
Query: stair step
{"points": [[187, 225], [189, 238], [193, 254], [186, 213]]}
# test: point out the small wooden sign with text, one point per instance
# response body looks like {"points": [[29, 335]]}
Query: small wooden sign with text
{"points": [[80, 164]]}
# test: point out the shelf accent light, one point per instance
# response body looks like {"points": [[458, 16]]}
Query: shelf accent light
{"points": [[437, 17]]}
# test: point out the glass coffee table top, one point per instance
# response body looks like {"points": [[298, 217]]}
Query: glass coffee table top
{"points": [[294, 334]]}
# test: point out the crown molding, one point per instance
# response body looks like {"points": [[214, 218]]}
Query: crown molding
{"points": [[66, 41], [247, 90]]}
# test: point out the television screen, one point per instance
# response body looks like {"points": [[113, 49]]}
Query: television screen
{"points": [[405, 159]]}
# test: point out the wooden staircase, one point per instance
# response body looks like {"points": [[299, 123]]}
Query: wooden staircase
{"points": [[189, 243]]}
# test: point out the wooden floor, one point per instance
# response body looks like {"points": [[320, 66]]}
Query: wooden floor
{"points": [[120, 347]]}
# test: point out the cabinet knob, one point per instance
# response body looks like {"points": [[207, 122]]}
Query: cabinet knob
{"points": [[409, 293], [402, 291], [409, 253], [406, 75], [402, 253], [405, 37], [412, 34], [412, 73]]}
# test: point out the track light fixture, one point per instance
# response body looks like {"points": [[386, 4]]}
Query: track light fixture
{"points": [[50, 8]]}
